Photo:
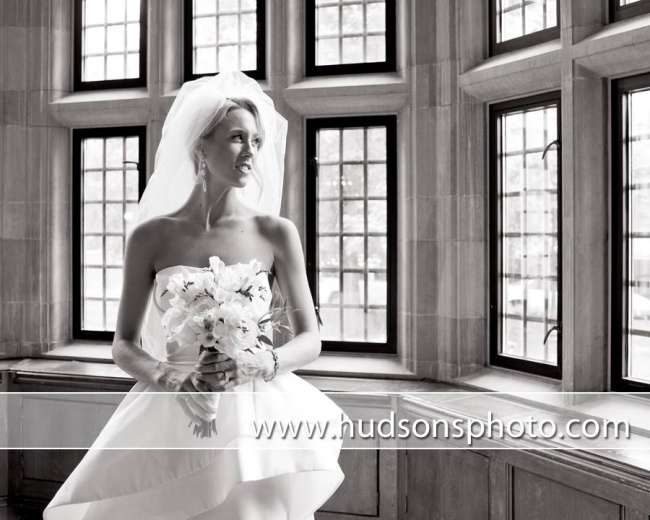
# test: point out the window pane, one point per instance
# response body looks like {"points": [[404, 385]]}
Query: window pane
{"points": [[350, 31], [527, 238], [636, 144], [328, 181], [515, 18], [353, 259], [107, 183], [225, 35], [110, 29]]}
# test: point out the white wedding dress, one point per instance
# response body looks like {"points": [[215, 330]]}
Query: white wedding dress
{"points": [[129, 472]]}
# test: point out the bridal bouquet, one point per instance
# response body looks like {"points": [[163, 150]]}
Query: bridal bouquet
{"points": [[222, 308]]}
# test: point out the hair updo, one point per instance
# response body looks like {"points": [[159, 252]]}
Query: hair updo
{"points": [[231, 103]]}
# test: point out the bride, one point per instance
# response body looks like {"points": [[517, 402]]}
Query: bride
{"points": [[214, 198]]}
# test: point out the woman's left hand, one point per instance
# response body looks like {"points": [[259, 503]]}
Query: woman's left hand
{"points": [[246, 366], [253, 365]]}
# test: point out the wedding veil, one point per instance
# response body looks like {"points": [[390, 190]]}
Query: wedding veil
{"points": [[174, 172]]}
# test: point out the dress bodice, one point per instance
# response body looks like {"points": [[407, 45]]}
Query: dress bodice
{"points": [[161, 300], [174, 353]]}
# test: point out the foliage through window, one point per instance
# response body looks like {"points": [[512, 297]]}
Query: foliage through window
{"points": [[631, 225], [525, 235], [108, 181], [350, 36], [224, 35], [351, 233], [519, 23], [110, 44]]}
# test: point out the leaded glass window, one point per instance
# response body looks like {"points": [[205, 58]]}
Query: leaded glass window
{"points": [[108, 184], [110, 43], [525, 235], [631, 193], [350, 36], [352, 230], [520, 23], [224, 35]]}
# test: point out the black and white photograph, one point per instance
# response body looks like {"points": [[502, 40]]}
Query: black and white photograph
{"points": [[325, 259]]}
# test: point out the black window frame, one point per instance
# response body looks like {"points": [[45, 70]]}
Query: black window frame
{"points": [[521, 42], [312, 127], [78, 135], [617, 12], [188, 35], [389, 65], [618, 243], [496, 359], [140, 81]]}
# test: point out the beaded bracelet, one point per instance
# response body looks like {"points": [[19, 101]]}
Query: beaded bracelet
{"points": [[276, 365]]}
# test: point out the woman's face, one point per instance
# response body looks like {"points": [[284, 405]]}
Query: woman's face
{"points": [[231, 149]]}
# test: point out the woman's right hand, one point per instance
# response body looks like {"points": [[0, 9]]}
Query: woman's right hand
{"points": [[191, 390], [217, 371]]}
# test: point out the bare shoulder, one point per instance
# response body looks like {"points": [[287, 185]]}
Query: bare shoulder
{"points": [[144, 242], [149, 232], [281, 233]]}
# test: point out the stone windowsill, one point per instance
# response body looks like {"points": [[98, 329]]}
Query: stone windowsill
{"points": [[494, 379], [618, 49], [328, 364], [499, 78], [465, 396], [356, 92]]}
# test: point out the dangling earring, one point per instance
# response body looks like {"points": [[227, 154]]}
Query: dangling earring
{"points": [[202, 172]]}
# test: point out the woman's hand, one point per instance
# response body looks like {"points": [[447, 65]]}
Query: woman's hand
{"points": [[216, 372], [248, 365], [253, 365]]}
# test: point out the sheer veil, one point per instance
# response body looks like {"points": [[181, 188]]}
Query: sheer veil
{"points": [[174, 172]]}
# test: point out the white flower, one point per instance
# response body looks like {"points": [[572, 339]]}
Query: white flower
{"points": [[226, 277], [219, 306]]}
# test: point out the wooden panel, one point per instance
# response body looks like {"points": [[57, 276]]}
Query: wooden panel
{"points": [[53, 465], [72, 422], [447, 485], [359, 492], [537, 498], [634, 514]]}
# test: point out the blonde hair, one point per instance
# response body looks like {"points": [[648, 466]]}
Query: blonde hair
{"points": [[232, 103]]}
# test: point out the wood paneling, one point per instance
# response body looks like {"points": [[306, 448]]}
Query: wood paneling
{"points": [[537, 498], [447, 485], [359, 493]]}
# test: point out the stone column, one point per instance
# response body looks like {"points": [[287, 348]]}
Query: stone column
{"points": [[35, 177], [450, 233]]}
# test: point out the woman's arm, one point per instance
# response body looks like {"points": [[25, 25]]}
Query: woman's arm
{"points": [[137, 282], [139, 273], [291, 276]]}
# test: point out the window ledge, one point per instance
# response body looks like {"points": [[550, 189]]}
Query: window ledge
{"points": [[620, 48], [498, 78], [107, 107], [328, 364], [493, 379], [628, 458], [353, 93], [351, 365]]}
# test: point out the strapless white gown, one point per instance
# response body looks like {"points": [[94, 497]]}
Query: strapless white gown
{"points": [[237, 480]]}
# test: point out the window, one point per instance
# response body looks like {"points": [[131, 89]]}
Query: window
{"points": [[350, 36], [519, 23], [224, 35], [525, 235], [631, 234], [351, 230], [109, 177], [620, 9], [110, 44]]}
